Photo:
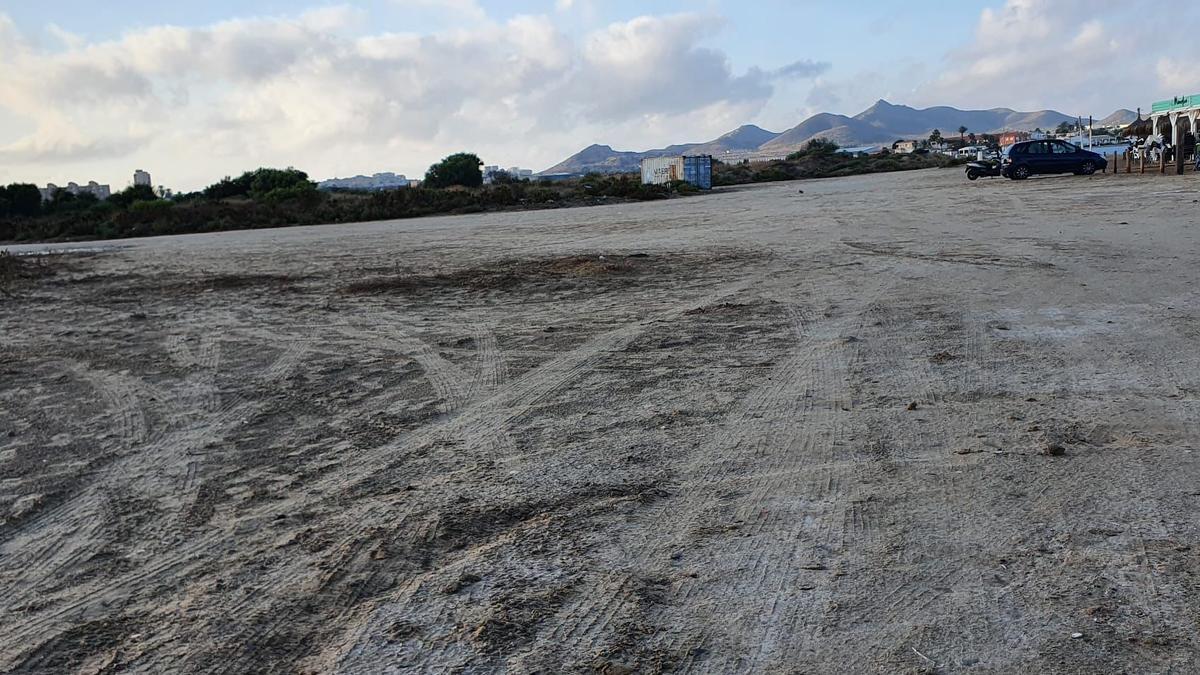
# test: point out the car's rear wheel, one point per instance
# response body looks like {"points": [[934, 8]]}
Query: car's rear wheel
{"points": [[1019, 172], [1087, 169]]}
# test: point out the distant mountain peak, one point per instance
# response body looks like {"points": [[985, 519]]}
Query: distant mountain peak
{"points": [[882, 123], [747, 127]]}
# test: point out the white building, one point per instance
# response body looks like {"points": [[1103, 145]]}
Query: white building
{"points": [[142, 178], [373, 183], [515, 172], [93, 188]]}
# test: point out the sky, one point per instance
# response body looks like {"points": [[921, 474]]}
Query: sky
{"points": [[195, 91]]}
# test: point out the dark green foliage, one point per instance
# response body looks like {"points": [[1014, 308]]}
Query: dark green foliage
{"points": [[459, 169], [64, 202], [296, 202], [259, 183], [266, 181], [817, 147], [134, 193], [227, 187], [20, 199]]}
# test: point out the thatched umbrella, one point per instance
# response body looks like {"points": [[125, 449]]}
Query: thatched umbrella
{"points": [[1140, 128]]}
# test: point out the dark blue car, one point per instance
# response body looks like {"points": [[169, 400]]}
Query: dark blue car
{"points": [[1030, 158]]}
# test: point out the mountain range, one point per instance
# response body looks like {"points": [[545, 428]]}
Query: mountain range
{"points": [[882, 123]]}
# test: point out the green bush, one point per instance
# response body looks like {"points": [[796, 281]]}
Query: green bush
{"points": [[132, 194], [274, 198], [20, 199], [259, 183], [458, 169]]}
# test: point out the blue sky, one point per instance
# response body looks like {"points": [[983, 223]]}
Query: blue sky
{"points": [[354, 87]]}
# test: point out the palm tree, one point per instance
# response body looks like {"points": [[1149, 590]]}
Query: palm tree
{"points": [[962, 132]]}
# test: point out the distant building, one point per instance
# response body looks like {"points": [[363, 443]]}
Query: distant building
{"points": [[516, 173], [862, 151], [374, 183], [142, 178], [93, 188], [1011, 137], [558, 177], [906, 147]]}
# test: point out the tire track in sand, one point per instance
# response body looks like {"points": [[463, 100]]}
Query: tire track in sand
{"points": [[750, 429], [56, 539], [152, 467], [506, 405]]}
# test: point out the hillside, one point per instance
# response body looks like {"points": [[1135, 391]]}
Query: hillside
{"points": [[882, 123], [1117, 119], [900, 121], [840, 129], [600, 158], [744, 138], [603, 159]]}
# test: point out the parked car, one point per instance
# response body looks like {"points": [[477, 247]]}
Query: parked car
{"points": [[1030, 158]]}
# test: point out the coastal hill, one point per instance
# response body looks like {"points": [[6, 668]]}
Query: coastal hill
{"points": [[882, 123], [845, 131], [1118, 118], [603, 159]]}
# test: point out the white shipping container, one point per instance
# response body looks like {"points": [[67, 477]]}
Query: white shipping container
{"points": [[658, 170]]}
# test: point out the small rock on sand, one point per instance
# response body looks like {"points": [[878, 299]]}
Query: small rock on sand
{"points": [[1054, 450]]}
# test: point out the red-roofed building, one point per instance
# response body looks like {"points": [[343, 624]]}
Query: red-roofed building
{"points": [[1010, 137]]}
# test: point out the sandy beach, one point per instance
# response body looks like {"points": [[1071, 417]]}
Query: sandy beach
{"points": [[893, 423]]}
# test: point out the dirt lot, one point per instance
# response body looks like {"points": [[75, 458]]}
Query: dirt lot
{"points": [[895, 423]]}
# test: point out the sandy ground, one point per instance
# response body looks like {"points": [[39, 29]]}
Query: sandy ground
{"points": [[893, 424]]}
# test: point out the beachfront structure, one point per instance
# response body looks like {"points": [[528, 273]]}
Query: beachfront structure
{"points": [[1176, 120], [142, 178], [93, 188], [905, 147]]}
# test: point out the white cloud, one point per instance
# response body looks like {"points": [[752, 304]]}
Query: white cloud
{"points": [[311, 92], [1178, 75], [462, 9], [1033, 54]]}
